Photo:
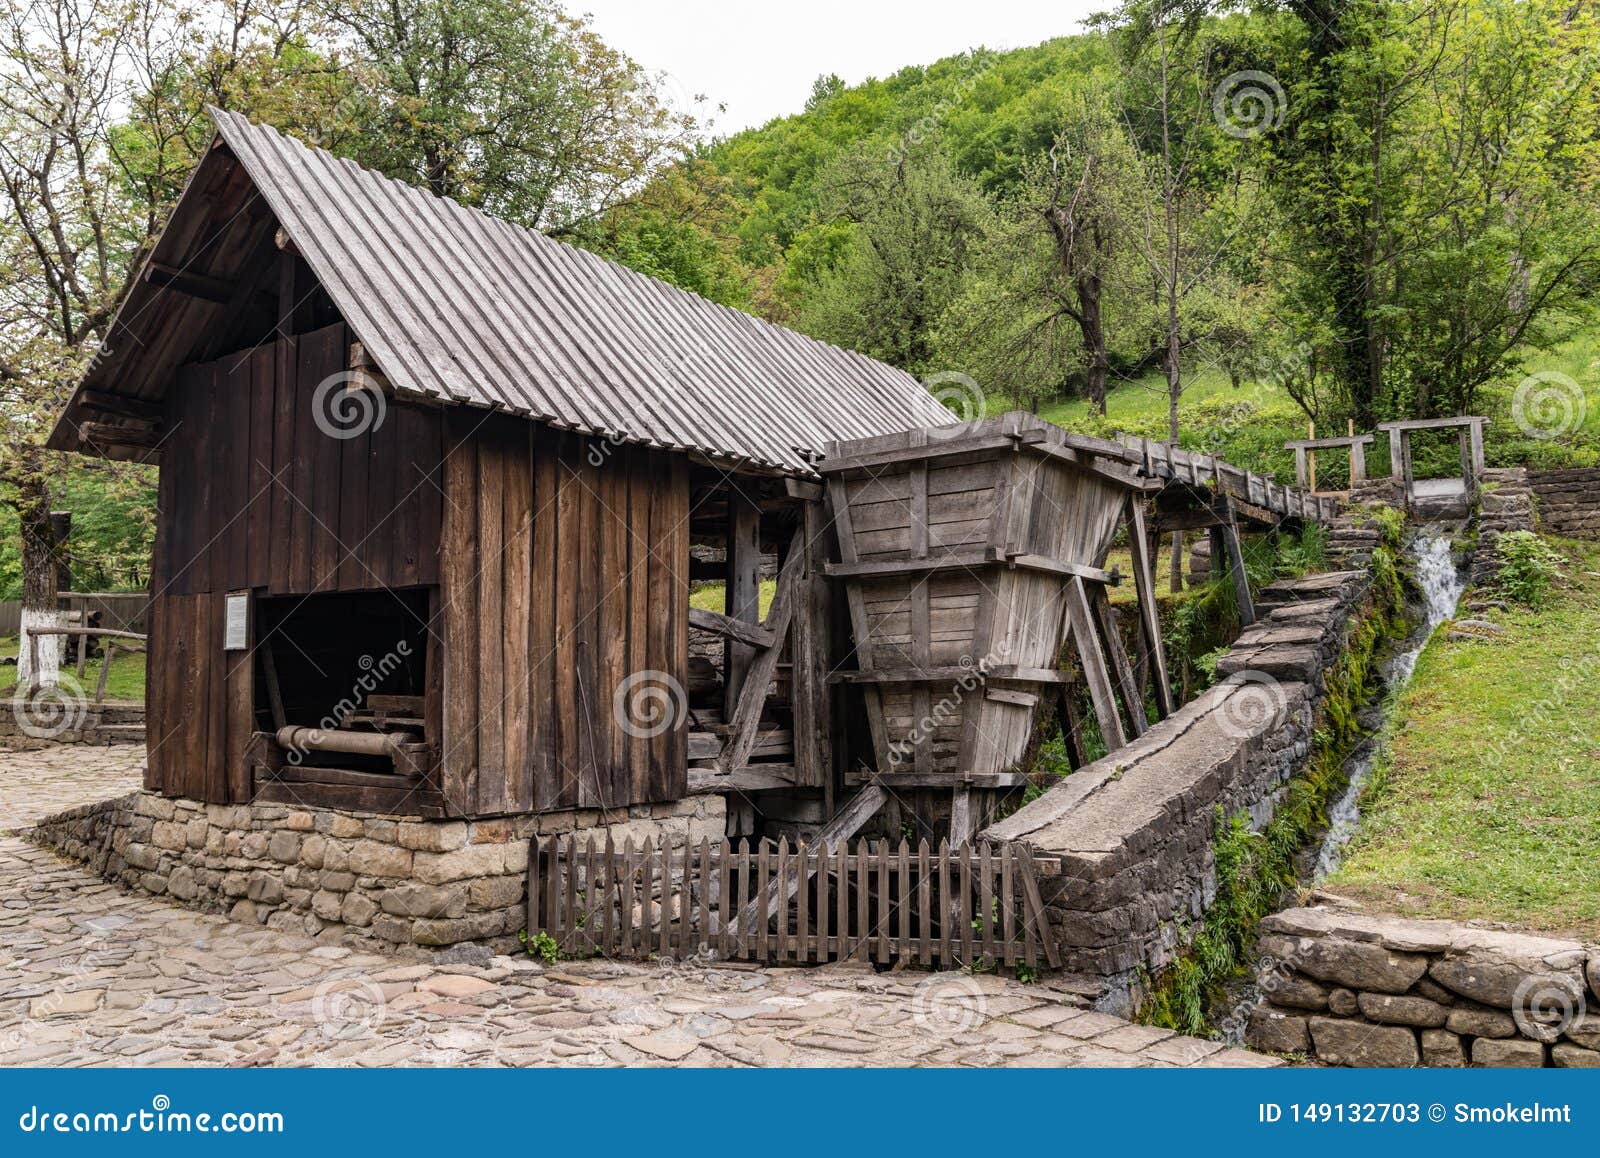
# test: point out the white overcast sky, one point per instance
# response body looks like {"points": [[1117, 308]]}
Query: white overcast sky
{"points": [[760, 58]]}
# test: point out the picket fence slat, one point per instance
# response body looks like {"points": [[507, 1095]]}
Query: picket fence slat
{"points": [[873, 901]]}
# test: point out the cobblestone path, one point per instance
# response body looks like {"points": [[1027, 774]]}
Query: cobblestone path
{"points": [[93, 975]]}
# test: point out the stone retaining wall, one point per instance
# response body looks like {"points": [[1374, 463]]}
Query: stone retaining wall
{"points": [[1355, 989], [1569, 501], [346, 876], [1134, 832]]}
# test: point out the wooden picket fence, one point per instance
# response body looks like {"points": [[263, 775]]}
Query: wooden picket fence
{"points": [[940, 908]]}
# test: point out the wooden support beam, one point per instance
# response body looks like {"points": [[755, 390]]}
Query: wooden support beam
{"points": [[1117, 654], [1241, 580], [954, 674], [808, 492], [215, 290], [105, 402], [1035, 911], [743, 592], [839, 512], [1144, 582], [963, 818], [849, 821], [745, 718], [1091, 655], [107, 434], [715, 622], [753, 778]]}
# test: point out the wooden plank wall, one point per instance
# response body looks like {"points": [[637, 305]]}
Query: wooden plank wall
{"points": [[565, 571], [254, 495]]}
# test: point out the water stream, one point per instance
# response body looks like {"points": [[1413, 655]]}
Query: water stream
{"points": [[1433, 565]]}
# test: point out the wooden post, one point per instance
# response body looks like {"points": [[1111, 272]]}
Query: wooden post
{"points": [[1092, 658], [1302, 475], [1397, 464], [1311, 460], [743, 592], [1476, 439], [1358, 463], [1144, 583], [1241, 581], [1117, 654]]}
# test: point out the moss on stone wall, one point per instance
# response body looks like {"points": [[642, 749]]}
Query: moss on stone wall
{"points": [[1255, 868]]}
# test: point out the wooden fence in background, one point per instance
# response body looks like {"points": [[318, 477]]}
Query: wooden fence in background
{"points": [[120, 611], [941, 908]]}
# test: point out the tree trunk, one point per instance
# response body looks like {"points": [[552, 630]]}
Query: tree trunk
{"points": [[1092, 323], [38, 657]]}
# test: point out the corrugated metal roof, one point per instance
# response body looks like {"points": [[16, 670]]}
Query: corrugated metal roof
{"points": [[455, 304]]}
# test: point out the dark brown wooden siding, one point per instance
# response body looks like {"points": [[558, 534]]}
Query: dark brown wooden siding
{"points": [[565, 567], [253, 495]]}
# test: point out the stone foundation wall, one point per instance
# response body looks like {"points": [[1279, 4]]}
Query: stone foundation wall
{"points": [[1569, 501], [1134, 832], [81, 723], [1505, 504], [1354, 989], [346, 876]]}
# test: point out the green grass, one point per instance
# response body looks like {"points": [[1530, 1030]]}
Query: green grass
{"points": [[126, 681], [1249, 424], [711, 597], [1488, 805]]}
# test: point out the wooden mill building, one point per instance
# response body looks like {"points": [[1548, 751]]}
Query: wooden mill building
{"points": [[501, 551], [435, 492]]}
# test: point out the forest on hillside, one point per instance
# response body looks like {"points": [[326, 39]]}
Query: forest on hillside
{"points": [[1207, 220]]}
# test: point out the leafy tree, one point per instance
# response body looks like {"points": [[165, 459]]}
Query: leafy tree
{"points": [[1034, 316], [509, 105], [913, 225]]}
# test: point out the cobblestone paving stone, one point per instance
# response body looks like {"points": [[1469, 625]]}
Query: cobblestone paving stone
{"points": [[93, 975]]}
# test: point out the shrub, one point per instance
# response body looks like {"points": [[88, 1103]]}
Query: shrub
{"points": [[1529, 567]]}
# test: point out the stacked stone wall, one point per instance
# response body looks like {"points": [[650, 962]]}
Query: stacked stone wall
{"points": [[1134, 833], [341, 876], [1569, 501], [1355, 989]]}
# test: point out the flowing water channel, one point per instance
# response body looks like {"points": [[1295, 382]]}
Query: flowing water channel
{"points": [[1433, 565], [1441, 581]]}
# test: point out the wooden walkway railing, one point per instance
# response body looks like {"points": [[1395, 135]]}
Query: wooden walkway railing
{"points": [[943, 908]]}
